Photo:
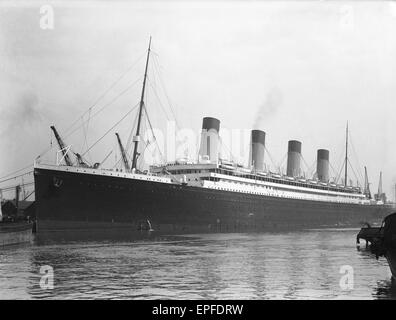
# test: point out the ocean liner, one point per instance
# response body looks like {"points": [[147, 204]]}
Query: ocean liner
{"points": [[206, 195]]}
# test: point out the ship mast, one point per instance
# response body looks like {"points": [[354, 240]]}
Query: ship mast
{"points": [[346, 157], [136, 137]]}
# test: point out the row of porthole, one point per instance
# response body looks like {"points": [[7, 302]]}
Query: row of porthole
{"points": [[314, 187], [272, 194], [140, 178], [248, 184], [235, 190], [108, 186], [286, 196], [282, 181], [112, 187], [276, 194]]}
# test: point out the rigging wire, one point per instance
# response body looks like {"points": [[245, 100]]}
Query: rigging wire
{"points": [[152, 132], [157, 66], [107, 105], [353, 170], [14, 172], [339, 174], [159, 100], [356, 159], [282, 161], [117, 162], [312, 169], [116, 124], [342, 164], [334, 172], [85, 132], [129, 145], [306, 165], [94, 115], [141, 159], [269, 154], [129, 141], [106, 91], [9, 188], [13, 178], [146, 144], [89, 110], [107, 156], [226, 147], [26, 197]]}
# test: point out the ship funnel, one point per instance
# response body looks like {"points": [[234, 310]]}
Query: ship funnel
{"points": [[293, 158], [209, 148], [257, 150], [322, 165]]}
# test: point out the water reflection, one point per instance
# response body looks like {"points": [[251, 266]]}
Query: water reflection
{"points": [[386, 289], [300, 265]]}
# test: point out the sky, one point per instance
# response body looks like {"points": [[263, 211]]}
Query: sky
{"points": [[297, 70]]}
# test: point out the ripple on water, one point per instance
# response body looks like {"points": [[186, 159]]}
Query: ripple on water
{"points": [[300, 265]]}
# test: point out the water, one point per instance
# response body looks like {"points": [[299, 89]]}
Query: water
{"points": [[299, 265]]}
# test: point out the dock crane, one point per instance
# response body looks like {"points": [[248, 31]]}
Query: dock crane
{"points": [[123, 154], [366, 184], [380, 196], [80, 160], [62, 147]]}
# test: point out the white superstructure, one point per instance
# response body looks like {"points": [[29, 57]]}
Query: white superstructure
{"points": [[242, 180]]}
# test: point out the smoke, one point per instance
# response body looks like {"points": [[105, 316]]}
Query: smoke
{"points": [[19, 111], [21, 118], [270, 106]]}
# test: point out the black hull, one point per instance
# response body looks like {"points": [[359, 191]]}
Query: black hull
{"points": [[391, 258], [67, 200]]}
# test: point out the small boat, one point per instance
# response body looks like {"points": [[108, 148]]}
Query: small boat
{"points": [[15, 232], [227, 162], [260, 173], [226, 166], [382, 241], [241, 170]]}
